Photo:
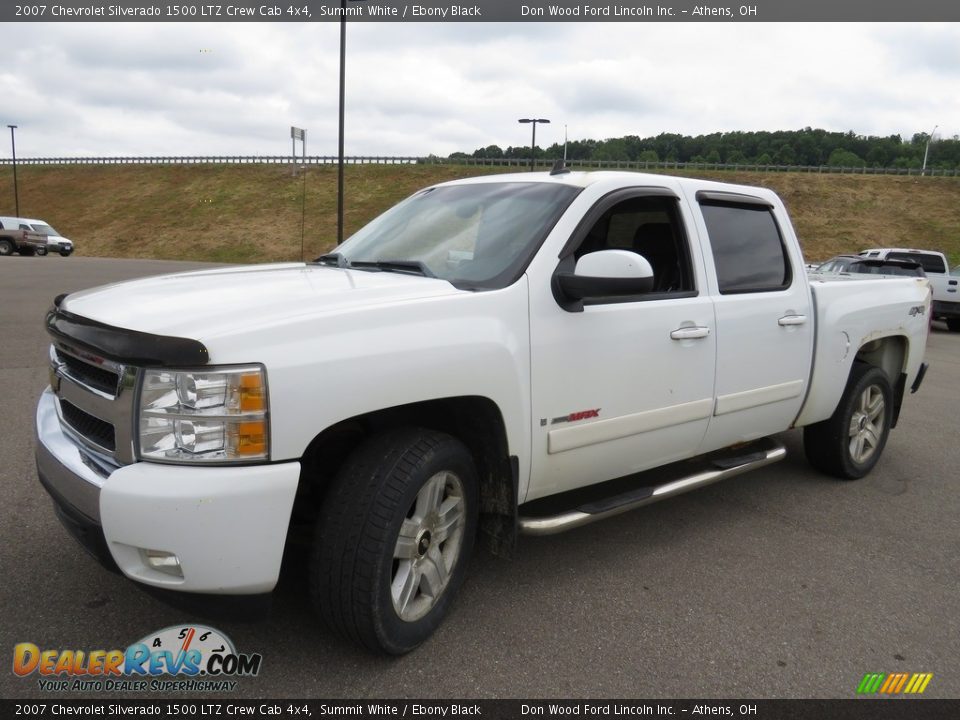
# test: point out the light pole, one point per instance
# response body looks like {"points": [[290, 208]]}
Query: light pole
{"points": [[13, 150], [926, 152], [533, 139], [343, 68]]}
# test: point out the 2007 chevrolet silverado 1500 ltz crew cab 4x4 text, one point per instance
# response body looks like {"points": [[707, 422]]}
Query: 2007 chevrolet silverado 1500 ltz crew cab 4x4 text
{"points": [[493, 356]]}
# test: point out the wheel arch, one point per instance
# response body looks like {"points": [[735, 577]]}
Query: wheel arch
{"points": [[889, 353], [476, 421]]}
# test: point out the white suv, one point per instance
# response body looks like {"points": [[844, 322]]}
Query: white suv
{"points": [[55, 241]]}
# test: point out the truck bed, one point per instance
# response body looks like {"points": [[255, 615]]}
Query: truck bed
{"points": [[854, 310]]}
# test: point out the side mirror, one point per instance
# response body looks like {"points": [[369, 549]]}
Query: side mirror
{"points": [[606, 273]]}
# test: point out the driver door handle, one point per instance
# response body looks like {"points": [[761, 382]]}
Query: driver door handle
{"points": [[792, 320], [690, 333]]}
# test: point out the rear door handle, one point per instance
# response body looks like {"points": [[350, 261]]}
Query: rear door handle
{"points": [[690, 333], [792, 320]]}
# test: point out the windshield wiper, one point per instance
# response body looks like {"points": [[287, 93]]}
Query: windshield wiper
{"points": [[335, 259], [414, 266]]}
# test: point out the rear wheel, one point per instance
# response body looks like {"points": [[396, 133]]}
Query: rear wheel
{"points": [[6, 247], [394, 539], [850, 442], [954, 324], [41, 251]]}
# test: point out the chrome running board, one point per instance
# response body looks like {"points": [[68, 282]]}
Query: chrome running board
{"points": [[647, 495]]}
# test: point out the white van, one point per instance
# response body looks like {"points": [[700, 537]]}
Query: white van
{"points": [[55, 241], [946, 298]]}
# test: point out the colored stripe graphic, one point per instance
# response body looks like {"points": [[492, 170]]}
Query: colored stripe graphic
{"points": [[871, 683], [918, 683], [894, 683]]}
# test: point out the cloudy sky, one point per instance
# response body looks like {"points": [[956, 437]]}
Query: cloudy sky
{"points": [[415, 89]]}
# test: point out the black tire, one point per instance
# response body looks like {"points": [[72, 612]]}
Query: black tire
{"points": [[26, 251], [66, 253], [356, 582], [41, 251], [6, 247], [839, 448], [954, 324]]}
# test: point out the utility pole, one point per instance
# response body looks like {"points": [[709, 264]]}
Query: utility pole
{"points": [[533, 139], [343, 76], [13, 150], [926, 152]]}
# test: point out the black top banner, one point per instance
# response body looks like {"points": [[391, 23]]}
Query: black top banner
{"points": [[484, 11]]}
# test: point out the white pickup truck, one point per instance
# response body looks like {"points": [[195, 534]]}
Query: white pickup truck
{"points": [[946, 293], [494, 356]]}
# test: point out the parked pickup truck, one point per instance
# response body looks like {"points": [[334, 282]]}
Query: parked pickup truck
{"points": [[38, 237], [493, 356], [946, 294], [26, 242]]}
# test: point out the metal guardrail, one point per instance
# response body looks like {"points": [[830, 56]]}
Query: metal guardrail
{"points": [[211, 160], [668, 165], [468, 161]]}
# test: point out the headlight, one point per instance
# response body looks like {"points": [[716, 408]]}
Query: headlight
{"points": [[210, 415]]}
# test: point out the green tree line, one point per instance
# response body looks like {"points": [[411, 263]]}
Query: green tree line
{"points": [[783, 147]]}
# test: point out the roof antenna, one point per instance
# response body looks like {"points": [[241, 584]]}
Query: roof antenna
{"points": [[559, 167]]}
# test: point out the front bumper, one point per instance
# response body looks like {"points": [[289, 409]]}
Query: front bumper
{"points": [[226, 525], [60, 246]]}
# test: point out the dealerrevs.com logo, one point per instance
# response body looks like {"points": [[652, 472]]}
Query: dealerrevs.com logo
{"points": [[180, 658]]}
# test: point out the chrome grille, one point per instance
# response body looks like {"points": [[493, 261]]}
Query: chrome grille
{"points": [[97, 431], [103, 379], [88, 370], [95, 399]]}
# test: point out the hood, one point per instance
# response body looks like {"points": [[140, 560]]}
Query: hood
{"points": [[208, 303]]}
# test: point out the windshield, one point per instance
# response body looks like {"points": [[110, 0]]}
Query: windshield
{"points": [[44, 229], [476, 236], [834, 266]]}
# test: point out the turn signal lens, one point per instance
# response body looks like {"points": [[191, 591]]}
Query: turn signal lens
{"points": [[253, 395], [252, 438]]}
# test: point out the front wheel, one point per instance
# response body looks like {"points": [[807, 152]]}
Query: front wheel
{"points": [[394, 538], [65, 253], [850, 442]]}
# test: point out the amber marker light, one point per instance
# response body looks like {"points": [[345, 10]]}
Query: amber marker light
{"points": [[252, 393], [252, 438]]}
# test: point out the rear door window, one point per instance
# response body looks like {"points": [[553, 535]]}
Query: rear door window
{"points": [[747, 246]]}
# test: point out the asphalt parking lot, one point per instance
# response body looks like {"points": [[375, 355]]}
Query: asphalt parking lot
{"points": [[778, 583]]}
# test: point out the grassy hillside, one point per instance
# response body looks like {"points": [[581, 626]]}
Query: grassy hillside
{"points": [[253, 213]]}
